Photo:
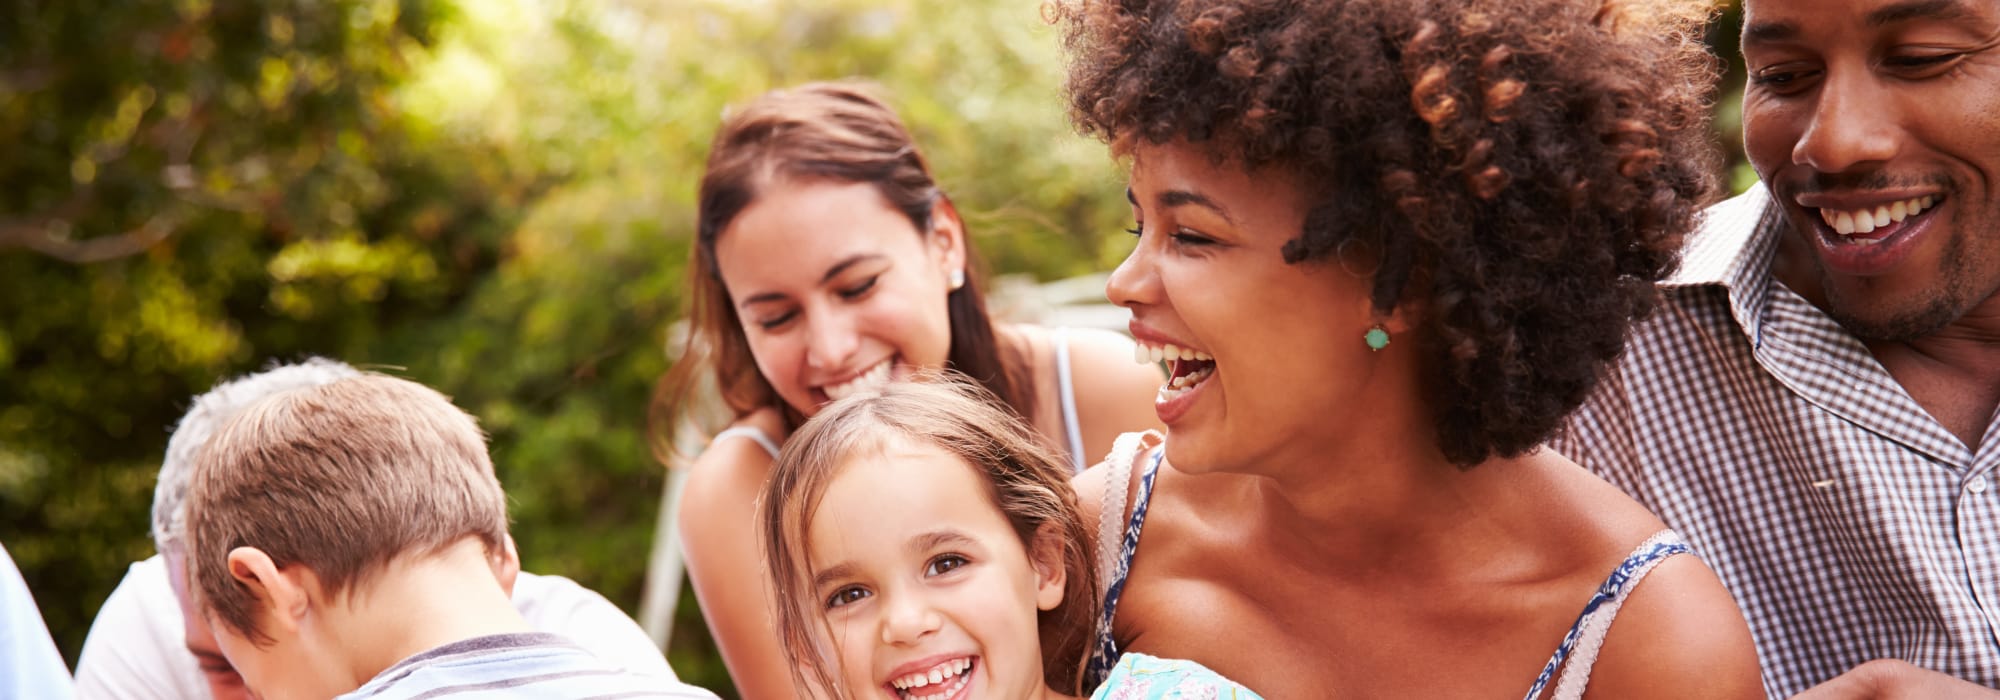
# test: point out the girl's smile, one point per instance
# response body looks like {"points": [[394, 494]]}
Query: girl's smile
{"points": [[925, 587]]}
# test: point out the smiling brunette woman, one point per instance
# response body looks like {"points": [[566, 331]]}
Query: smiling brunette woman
{"points": [[1387, 245], [827, 261]]}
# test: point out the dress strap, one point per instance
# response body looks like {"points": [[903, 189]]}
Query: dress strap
{"points": [[1579, 648], [1059, 339], [1105, 654], [1111, 514], [751, 432]]}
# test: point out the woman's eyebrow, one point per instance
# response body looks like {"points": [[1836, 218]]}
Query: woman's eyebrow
{"points": [[1181, 198]]}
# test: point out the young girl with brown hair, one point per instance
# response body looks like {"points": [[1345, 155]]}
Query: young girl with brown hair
{"points": [[924, 546], [828, 261]]}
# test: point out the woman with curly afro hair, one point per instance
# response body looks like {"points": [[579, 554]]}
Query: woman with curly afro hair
{"points": [[1385, 246]]}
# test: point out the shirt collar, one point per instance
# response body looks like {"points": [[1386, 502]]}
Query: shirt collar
{"points": [[1732, 248]]}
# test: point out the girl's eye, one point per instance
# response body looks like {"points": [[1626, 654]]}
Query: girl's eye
{"points": [[777, 321], [945, 563], [1137, 228], [847, 594], [857, 290]]}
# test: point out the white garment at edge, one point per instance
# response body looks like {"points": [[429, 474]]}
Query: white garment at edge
{"points": [[135, 649]]}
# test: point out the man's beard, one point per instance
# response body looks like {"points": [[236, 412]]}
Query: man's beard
{"points": [[1946, 303]]}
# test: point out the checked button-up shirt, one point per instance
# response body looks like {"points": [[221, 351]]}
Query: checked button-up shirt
{"points": [[1849, 524]]}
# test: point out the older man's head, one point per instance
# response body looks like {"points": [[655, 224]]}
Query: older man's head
{"points": [[209, 412]]}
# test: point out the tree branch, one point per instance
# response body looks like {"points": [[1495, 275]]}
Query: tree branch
{"points": [[43, 239]]}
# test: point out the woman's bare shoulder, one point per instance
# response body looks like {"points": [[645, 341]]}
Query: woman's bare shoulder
{"points": [[1678, 635], [729, 474], [1679, 632]]}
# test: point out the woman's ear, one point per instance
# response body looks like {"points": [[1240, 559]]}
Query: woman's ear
{"points": [[947, 239], [1398, 320], [1051, 575], [1407, 315]]}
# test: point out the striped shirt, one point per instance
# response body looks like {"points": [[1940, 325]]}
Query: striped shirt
{"points": [[1849, 524], [525, 665]]}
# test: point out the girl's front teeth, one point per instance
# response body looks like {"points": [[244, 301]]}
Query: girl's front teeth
{"points": [[947, 672]]}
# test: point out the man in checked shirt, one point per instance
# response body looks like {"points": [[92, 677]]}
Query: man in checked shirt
{"points": [[1814, 404]]}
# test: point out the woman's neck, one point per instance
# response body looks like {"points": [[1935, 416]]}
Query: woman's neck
{"points": [[1383, 495]]}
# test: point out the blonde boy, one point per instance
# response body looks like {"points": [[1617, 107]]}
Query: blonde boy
{"points": [[351, 538]]}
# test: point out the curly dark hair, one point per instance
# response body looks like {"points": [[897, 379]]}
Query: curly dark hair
{"points": [[1520, 172]]}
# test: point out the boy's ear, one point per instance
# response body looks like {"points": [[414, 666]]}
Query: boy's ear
{"points": [[284, 598], [1050, 574], [506, 564]]}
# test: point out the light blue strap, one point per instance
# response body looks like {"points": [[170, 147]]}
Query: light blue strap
{"points": [[751, 432], [1060, 339]]}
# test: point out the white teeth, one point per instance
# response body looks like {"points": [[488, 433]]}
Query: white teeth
{"points": [[874, 376], [1191, 379], [935, 677], [1848, 223], [1147, 353], [1183, 384]]}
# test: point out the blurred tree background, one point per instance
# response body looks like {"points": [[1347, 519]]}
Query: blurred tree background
{"points": [[491, 197]]}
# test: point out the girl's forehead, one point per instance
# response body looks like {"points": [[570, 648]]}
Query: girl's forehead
{"points": [[895, 494]]}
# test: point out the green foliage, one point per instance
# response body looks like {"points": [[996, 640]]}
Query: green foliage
{"points": [[493, 198], [190, 188]]}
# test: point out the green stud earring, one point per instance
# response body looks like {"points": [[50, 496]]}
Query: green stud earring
{"points": [[1376, 337]]}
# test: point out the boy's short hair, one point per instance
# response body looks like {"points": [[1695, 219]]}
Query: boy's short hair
{"points": [[342, 478], [208, 412]]}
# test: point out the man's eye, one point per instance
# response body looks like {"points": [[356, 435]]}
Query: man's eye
{"points": [[1782, 80], [1920, 62], [846, 595], [945, 563]]}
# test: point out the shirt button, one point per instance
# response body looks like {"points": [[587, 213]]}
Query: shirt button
{"points": [[1977, 484]]}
